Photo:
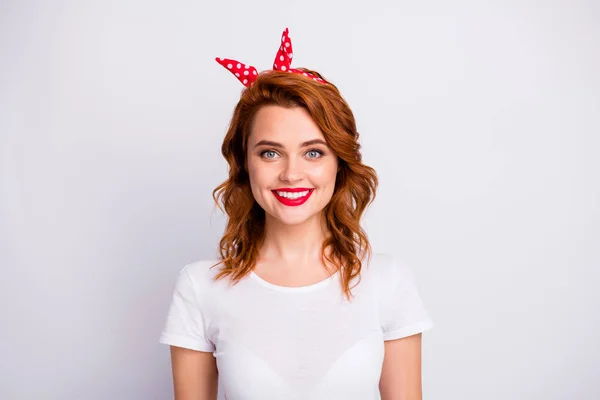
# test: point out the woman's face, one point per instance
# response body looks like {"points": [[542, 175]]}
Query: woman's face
{"points": [[292, 170]]}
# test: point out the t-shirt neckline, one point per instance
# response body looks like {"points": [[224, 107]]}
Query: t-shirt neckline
{"points": [[294, 289]]}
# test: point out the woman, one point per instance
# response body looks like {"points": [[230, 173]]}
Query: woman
{"points": [[295, 307]]}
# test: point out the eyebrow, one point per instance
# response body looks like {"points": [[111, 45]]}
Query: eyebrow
{"points": [[277, 144]]}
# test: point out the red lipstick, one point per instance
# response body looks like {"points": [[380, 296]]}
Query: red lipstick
{"points": [[292, 202]]}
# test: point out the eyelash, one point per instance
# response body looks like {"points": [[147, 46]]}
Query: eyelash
{"points": [[321, 153]]}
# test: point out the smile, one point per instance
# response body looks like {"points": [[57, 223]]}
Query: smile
{"points": [[292, 197]]}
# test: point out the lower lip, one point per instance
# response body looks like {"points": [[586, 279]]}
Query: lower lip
{"points": [[293, 202]]}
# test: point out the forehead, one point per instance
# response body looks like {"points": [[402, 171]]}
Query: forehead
{"points": [[289, 126]]}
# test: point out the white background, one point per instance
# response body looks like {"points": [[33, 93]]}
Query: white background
{"points": [[481, 118]]}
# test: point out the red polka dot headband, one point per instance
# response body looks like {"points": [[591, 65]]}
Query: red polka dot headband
{"points": [[247, 74]]}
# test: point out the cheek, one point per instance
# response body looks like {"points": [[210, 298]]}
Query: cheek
{"points": [[260, 174], [253, 177], [253, 170], [325, 173]]}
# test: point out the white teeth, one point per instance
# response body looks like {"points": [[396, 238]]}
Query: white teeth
{"points": [[293, 195]]}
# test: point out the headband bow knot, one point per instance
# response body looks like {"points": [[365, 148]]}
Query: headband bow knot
{"points": [[247, 74]]}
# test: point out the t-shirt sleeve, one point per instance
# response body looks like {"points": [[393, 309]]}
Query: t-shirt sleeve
{"points": [[186, 325], [403, 312]]}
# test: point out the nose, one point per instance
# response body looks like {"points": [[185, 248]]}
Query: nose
{"points": [[291, 171]]}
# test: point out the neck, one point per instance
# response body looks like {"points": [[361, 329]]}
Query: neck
{"points": [[294, 244]]}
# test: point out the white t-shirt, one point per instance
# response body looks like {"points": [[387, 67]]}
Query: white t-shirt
{"points": [[309, 342]]}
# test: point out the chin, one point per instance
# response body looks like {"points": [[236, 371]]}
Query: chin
{"points": [[291, 220]]}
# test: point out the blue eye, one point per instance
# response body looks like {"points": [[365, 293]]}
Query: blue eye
{"points": [[270, 154], [314, 153]]}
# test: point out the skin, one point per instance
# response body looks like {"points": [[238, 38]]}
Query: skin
{"points": [[279, 156], [401, 372], [286, 149]]}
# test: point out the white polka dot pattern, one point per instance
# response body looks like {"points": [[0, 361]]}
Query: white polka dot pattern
{"points": [[244, 73], [283, 60]]}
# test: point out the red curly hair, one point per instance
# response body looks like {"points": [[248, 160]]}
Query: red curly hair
{"points": [[355, 186]]}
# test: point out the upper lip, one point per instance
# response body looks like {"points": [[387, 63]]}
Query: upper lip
{"points": [[292, 190]]}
